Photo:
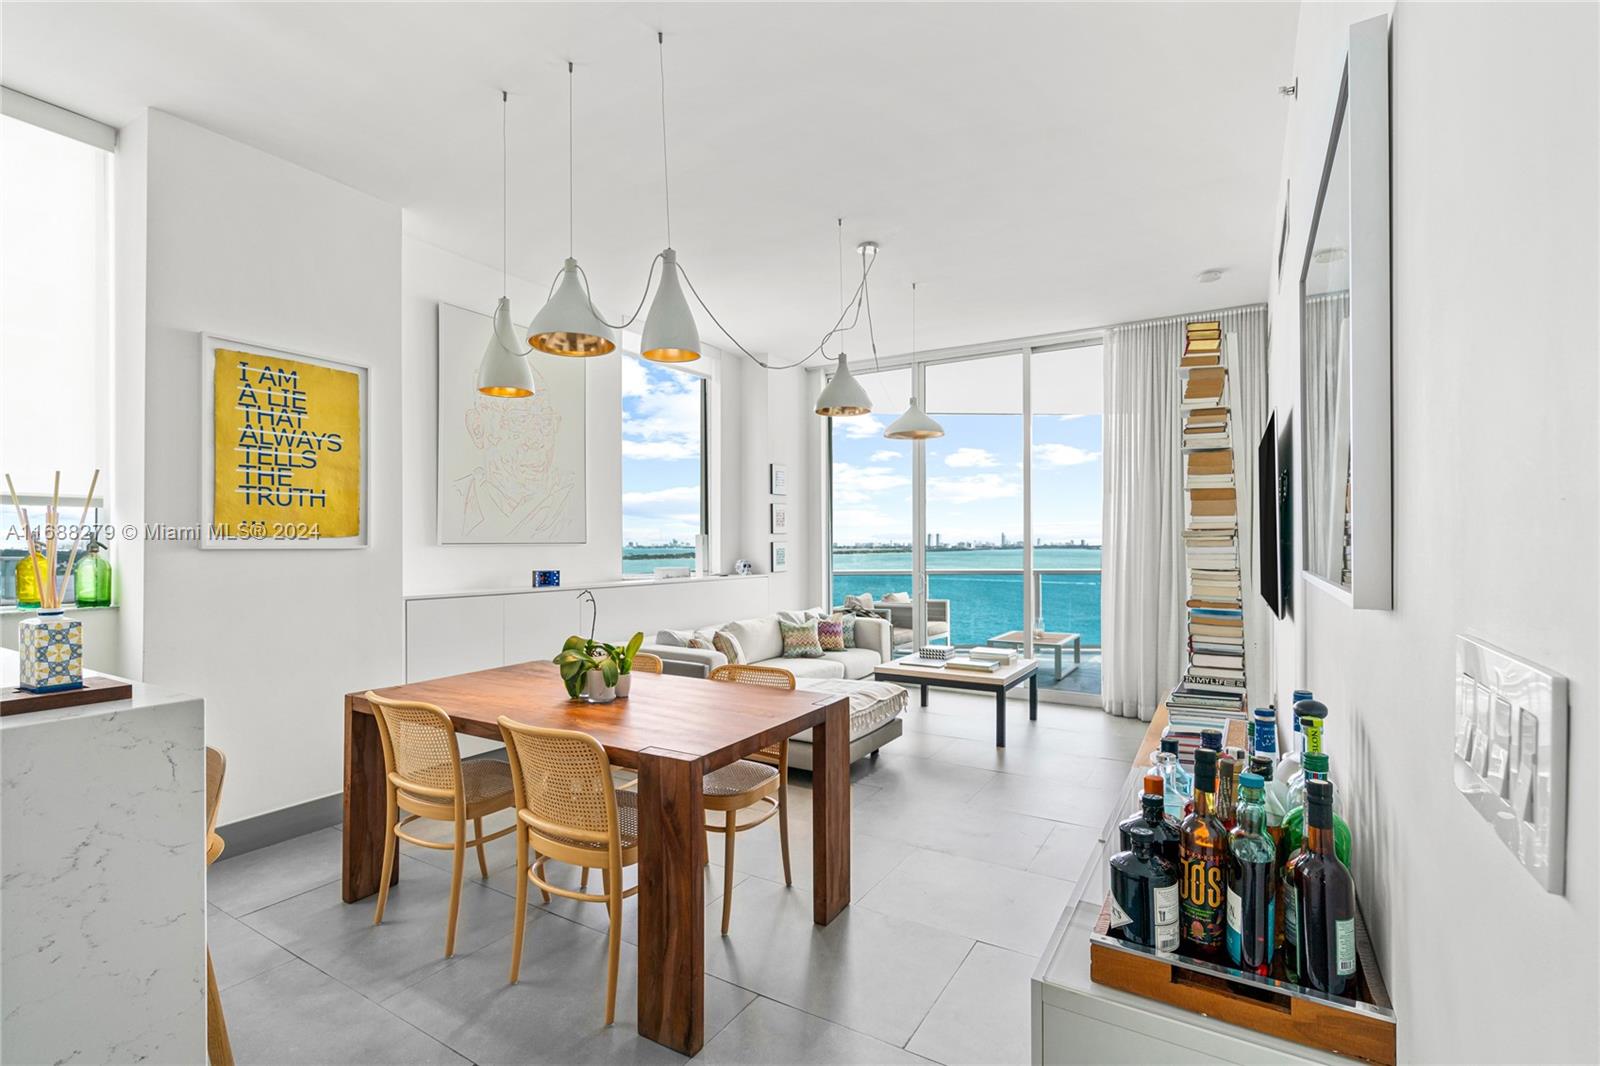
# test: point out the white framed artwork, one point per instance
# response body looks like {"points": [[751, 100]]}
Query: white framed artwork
{"points": [[778, 479], [283, 459], [510, 470], [780, 518], [780, 557]]}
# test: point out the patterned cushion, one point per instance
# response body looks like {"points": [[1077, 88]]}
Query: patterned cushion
{"points": [[728, 645], [703, 643], [800, 641], [848, 621], [831, 635]]}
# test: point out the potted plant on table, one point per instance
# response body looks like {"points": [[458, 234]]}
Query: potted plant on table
{"points": [[588, 670]]}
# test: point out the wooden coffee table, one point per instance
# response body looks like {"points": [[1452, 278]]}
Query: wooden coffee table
{"points": [[1056, 642], [1000, 682]]}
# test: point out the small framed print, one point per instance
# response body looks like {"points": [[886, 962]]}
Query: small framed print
{"points": [[780, 557], [778, 479], [780, 518]]}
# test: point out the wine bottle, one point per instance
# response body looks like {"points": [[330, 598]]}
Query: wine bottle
{"points": [[1251, 884], [1325, 897]]}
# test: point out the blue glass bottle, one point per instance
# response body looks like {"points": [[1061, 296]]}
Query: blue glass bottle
{"points": [[1176, 784]]}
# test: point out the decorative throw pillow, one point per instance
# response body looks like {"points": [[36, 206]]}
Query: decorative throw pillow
{"points": [[847, 623], [800, 641], [703, 643], [897, 597], [861, 604], [831, 635], [726, 643]]}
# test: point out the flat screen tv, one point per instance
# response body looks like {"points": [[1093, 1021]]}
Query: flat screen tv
{"points": [[1269, 568]]}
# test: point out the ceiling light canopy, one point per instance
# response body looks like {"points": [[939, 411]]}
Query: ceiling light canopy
{"points": [[504, 369]]}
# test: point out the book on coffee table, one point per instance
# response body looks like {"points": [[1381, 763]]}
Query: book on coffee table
{"points": [[981, 666]]}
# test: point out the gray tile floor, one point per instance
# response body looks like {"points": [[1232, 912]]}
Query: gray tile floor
{"points": [[963, 856]]}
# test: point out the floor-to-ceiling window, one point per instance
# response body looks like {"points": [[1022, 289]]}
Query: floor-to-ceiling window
{"points": [[663, 465], [872, 506], [975, 503], [1067, 402], [1019, 466]]}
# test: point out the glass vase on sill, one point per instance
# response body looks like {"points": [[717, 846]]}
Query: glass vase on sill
{"points": [[28, 579]]}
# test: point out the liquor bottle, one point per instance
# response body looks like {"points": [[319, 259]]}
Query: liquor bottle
{"points": [[1144, 894], [1210, 740], [1316, 769], [1289, 761], [1264, 733], [1252, 887], [1176, 781], [1153, 816], [1227, 797], [1311, 714], [1325, 902], [1204, 850]]}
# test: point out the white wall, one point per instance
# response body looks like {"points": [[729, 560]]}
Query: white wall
{"points": [[1496, 470], [780, 424], [242, 244]]}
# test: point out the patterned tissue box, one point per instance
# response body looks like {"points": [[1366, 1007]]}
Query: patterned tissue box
{"points": [[50, 650]]}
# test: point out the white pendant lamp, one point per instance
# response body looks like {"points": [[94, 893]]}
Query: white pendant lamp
{"points": [[568, 324], [504, 370], [843, 396], [670, 335], [914, 424]]}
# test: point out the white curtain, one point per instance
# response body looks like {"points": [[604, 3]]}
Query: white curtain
{"points": [[1143, 581], [1324, 336]]}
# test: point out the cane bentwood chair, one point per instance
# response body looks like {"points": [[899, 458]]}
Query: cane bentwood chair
{"points": [[646, 663], [569, 810], [427, 779], [759, 781]]}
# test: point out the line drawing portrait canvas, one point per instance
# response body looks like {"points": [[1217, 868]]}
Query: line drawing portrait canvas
{"points": [[511, 471]]}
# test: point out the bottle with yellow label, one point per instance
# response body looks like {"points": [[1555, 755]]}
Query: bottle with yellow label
{"points": [[1204, 850]]}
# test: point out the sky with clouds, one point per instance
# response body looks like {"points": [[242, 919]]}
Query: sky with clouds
{"points": [[974, 480], [660, 453]]}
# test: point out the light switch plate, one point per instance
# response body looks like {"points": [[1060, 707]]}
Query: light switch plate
{"points": [[1511, 754]]}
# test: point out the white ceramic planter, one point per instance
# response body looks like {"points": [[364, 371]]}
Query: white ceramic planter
{"points": [[595, 689]]}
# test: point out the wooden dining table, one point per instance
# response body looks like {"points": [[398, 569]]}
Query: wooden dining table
{"points": [[673, 731]]}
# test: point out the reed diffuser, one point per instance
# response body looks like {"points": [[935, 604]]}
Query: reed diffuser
{"points": [[50, 645]]}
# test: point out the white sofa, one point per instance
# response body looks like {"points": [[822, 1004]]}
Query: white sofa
{"points": [[761, 642]]}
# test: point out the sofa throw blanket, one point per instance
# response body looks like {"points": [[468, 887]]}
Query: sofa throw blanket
{"points": [[800, 640]]}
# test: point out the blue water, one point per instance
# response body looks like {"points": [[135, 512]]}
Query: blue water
{"points": [[985, 605], [981, 605]]}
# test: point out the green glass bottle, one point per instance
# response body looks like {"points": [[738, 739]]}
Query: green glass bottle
{"points": [[92, 579], [1316, 769]]}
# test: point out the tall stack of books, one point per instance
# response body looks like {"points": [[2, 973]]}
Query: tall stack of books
{"points": [[1212, 691]]}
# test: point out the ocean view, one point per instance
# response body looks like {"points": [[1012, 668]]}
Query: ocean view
{"points": [[982, 605]]}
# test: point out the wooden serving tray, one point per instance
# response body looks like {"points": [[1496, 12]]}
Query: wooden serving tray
{"points": [[97, 688], [1362, 1028]]}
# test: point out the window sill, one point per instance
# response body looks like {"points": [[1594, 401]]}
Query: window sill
{"points": [[69, 608]]}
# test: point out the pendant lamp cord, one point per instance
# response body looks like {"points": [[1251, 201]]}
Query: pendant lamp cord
{"points": [[666, 176], [505, 241], [570, 243], [866, 295], [841, 281]]}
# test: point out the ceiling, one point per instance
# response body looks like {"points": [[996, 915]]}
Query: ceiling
{"points": [[1034, 167]]}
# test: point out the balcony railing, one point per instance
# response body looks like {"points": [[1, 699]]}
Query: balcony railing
{"points": [[986, 603]]}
